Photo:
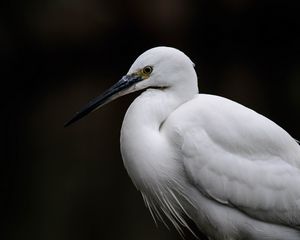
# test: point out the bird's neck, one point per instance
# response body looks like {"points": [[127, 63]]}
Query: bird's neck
{"points": [[153, 164], [150, 110], [146, 153]]}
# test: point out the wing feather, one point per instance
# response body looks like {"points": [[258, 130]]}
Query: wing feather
{"points": [[239, 158]]}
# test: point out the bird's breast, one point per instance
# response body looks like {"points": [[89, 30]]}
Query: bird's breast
{"points": [[147, 156], [155, 169]]}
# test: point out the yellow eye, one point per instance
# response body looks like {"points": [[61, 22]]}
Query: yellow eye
{"points": [[147, 70]]}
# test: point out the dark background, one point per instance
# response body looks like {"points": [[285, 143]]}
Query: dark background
{"points": [[56, 55]]}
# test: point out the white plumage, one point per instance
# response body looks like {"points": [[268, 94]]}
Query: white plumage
{"points": [[235, 173]]}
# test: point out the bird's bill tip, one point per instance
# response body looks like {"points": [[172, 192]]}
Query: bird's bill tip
{"points": [[68, 123]]}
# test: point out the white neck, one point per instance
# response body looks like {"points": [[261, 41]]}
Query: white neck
{"points": [[145, 150], [151, 161]]}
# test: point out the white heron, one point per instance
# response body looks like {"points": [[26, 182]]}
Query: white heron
{"points": [[234, 172]]}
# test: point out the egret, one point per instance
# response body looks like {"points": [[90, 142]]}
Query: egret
{"points": [[234, 172]]}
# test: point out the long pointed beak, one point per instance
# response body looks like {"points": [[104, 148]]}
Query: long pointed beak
{"points": [[117, 90]]}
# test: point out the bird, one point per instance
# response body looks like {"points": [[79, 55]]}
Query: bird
{"points": [[232, 171]]}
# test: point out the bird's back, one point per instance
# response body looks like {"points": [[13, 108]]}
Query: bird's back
{"points": [[240, 161]]}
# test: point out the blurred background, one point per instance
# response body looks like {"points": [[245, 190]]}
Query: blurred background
{"points": [[58, 54]]}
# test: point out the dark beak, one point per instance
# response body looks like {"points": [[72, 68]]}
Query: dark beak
{"points": [[117, 90]]}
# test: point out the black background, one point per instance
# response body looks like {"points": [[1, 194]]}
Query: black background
{"points": [[56, 55]]}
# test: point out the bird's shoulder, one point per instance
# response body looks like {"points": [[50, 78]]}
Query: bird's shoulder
{"points": [[205, 109]]}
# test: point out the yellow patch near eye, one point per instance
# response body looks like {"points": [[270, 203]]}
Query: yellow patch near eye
{"points": [[145, 72]]}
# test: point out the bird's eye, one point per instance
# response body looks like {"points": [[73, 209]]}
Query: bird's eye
{"points": [[147, 70]]}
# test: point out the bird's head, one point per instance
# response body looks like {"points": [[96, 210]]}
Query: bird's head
{"points": [[159, 67]]}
